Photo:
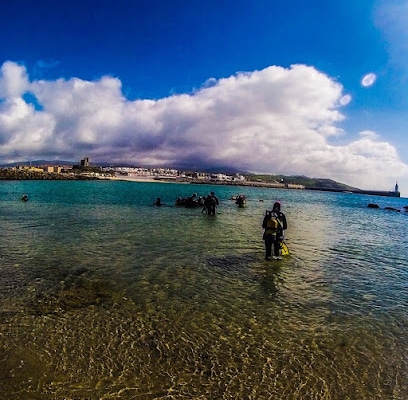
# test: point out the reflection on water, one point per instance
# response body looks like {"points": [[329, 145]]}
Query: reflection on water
{"points": [[116, 299]]}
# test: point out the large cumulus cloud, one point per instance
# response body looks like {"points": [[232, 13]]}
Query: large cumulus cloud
{"points": [[277, 120]]}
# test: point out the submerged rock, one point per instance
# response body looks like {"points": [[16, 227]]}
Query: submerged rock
{"points": [[392, 209], [373, 205]]}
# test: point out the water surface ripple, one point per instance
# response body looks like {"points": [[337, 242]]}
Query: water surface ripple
{"points": [[104, 296]]}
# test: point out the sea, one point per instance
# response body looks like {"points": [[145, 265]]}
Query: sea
{"points": [[105, 296]]}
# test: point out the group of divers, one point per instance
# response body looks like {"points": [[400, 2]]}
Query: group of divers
{"points": [[274, 222], [208, 203]]}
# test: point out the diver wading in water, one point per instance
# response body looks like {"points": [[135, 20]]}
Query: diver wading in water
{"points": [[241, 201], [158, 202], [274, 224], [210, 203], [270, 224], [282, 226]]}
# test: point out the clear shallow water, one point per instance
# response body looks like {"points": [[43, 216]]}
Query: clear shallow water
{"points": [[103, 296]]}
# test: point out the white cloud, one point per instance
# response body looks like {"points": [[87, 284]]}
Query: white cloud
{"points": [[277, 120], [368, 79], [13, 80], [345, 100]]}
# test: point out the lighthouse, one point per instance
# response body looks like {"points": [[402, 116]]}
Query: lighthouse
{"points": [[397, 193]]}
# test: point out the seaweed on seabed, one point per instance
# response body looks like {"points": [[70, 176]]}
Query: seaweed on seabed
{"points": [[236, 264], [80, 292]]}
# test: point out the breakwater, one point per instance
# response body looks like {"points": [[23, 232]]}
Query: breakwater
{"points": [[383, 193], [275, 185]]}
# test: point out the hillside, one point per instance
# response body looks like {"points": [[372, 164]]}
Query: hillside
{"points": [[308, 183]]}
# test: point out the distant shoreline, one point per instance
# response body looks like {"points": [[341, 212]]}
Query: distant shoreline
{"points": [[154, 179]]}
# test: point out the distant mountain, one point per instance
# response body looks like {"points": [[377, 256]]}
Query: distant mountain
{"points": [[308, 183]]}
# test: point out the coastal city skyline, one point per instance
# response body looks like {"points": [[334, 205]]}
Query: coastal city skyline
{"points": [[266, 88], [58, 169]]}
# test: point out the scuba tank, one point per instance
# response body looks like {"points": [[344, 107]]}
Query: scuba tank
{"points": [[271, 223]]}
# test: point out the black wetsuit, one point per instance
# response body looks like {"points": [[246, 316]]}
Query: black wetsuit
{"points": [[211, 202]]}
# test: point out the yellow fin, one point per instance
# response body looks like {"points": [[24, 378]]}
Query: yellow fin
{"points": [[284, 249]]}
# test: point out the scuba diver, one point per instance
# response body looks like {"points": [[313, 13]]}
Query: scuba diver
{"points": [[274, 224], [192, 201], [241, 201], [282, 226], [211, 202], [158, 202], [270, 224]]}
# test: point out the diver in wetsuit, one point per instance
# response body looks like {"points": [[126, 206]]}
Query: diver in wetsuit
{"points": [[211, 202], [282, 225], [158, 202]]}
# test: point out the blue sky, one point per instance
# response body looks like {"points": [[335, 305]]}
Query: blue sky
{"points": [[317, 88]]}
